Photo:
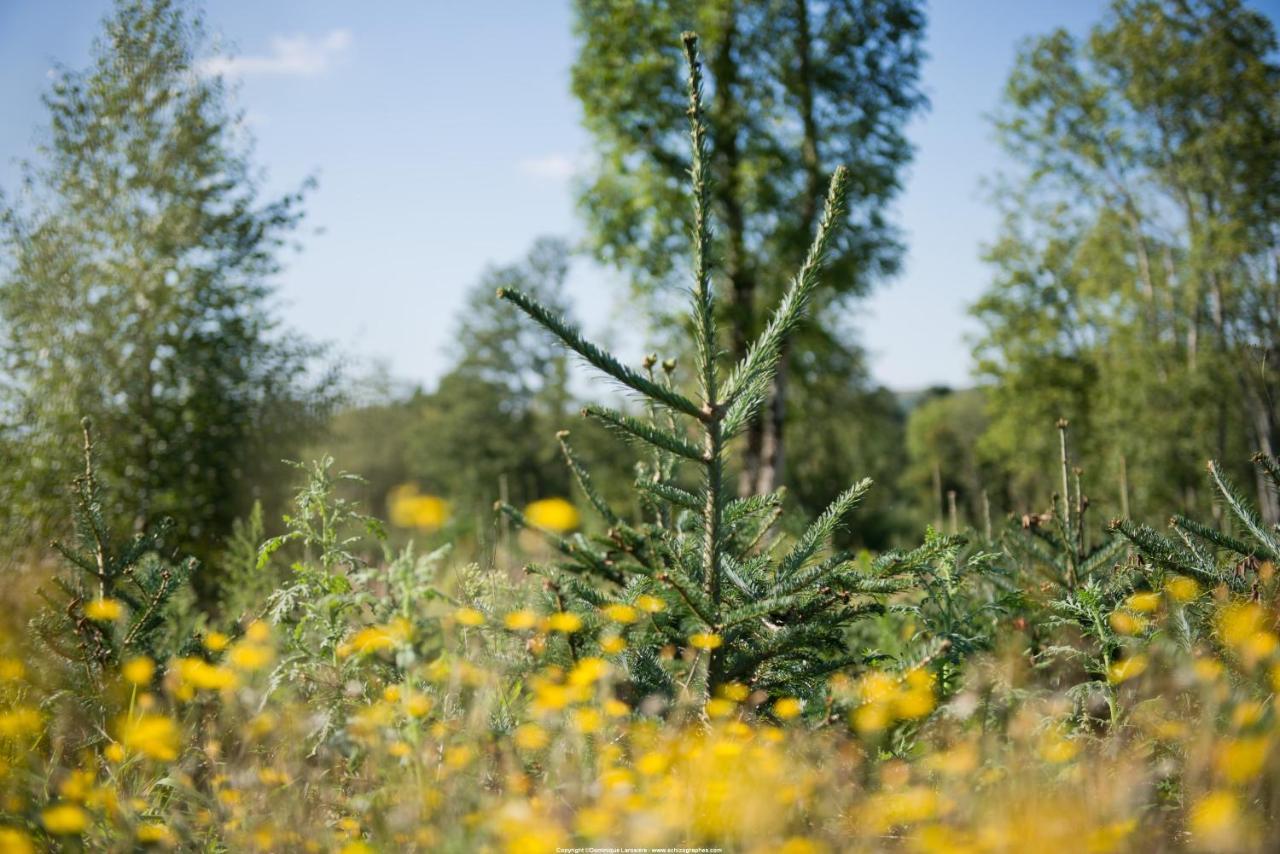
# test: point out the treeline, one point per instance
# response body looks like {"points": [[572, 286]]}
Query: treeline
{"points": [[1134, 281]]}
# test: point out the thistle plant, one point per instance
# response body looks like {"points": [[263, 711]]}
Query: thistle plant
{"points": [[700, 590]]}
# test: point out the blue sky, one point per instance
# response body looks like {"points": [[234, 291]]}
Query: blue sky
{"points": [[444, 138]]}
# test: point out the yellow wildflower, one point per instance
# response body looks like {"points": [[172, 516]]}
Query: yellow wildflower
{"points": [[11, 669], [418, 705], [1215, 820], [1056, 748], [1125, 623], [1242, 759], [613, 644], [20, 721], [372, 639], [409, 508], [720, 708], [1143, 603], [588, 671], [787, 708], [587, 720], [705, 640], [531, 737], [1123, 671], [153, 832], [554, 514], [249, 657], [1182, 589], [104, 610], [621, 613], [203, 676], [519, 621], [565, 622], [650, 604], [216, 641], [155, 736], [14, 841], [138, 670], [469, 617], [64, 820]]}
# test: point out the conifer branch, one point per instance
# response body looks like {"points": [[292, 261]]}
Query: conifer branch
{"points": [[597, 357], [646, 432], [583, 478], [821, 529], [703, 297], [1243, 510], [749, 382]]}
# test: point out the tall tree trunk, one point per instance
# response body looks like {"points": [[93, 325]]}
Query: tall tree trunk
{"points": [[765, 459]]}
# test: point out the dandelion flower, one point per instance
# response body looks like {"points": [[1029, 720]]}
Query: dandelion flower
{"points": [[554, 514], [787, 708], [1123, 671], [705, 640], [469, 617], [104, 610], [565, 622], [154, 736], [139, 670], [650, 604], [1143, 603], [621, 613], [520, 621], [64, 820]]}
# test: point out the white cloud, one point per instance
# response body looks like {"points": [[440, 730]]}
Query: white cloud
{"points": [[292, 56], [553, 166]]}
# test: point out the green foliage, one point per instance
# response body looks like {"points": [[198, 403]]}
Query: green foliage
{"points": [[1229, 555], [731, 595], [134, 289], [797, 89], [335, 589], [1132, 268], [80, 623], [480, 434]]}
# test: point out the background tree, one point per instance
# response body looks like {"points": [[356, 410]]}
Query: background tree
{"points": [[1136, 276], [135, 290], [945, 459], [795, 88], [485, 432]]}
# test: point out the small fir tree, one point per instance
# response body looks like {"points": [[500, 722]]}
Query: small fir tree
{"points": [[113, 605], [702, 573]]}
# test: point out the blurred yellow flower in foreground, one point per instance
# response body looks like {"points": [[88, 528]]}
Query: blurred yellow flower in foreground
{"points": [[1122, 671], [554, 514], [409, 508], [705, 640], [64, 820], [139, 670], [519, 621], [104, 610], [788, 708], [155, 736], [565, 621], [1215, 820], [14, 841], [377, 638], [650, 604], [469, 617], [620, 613]]}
